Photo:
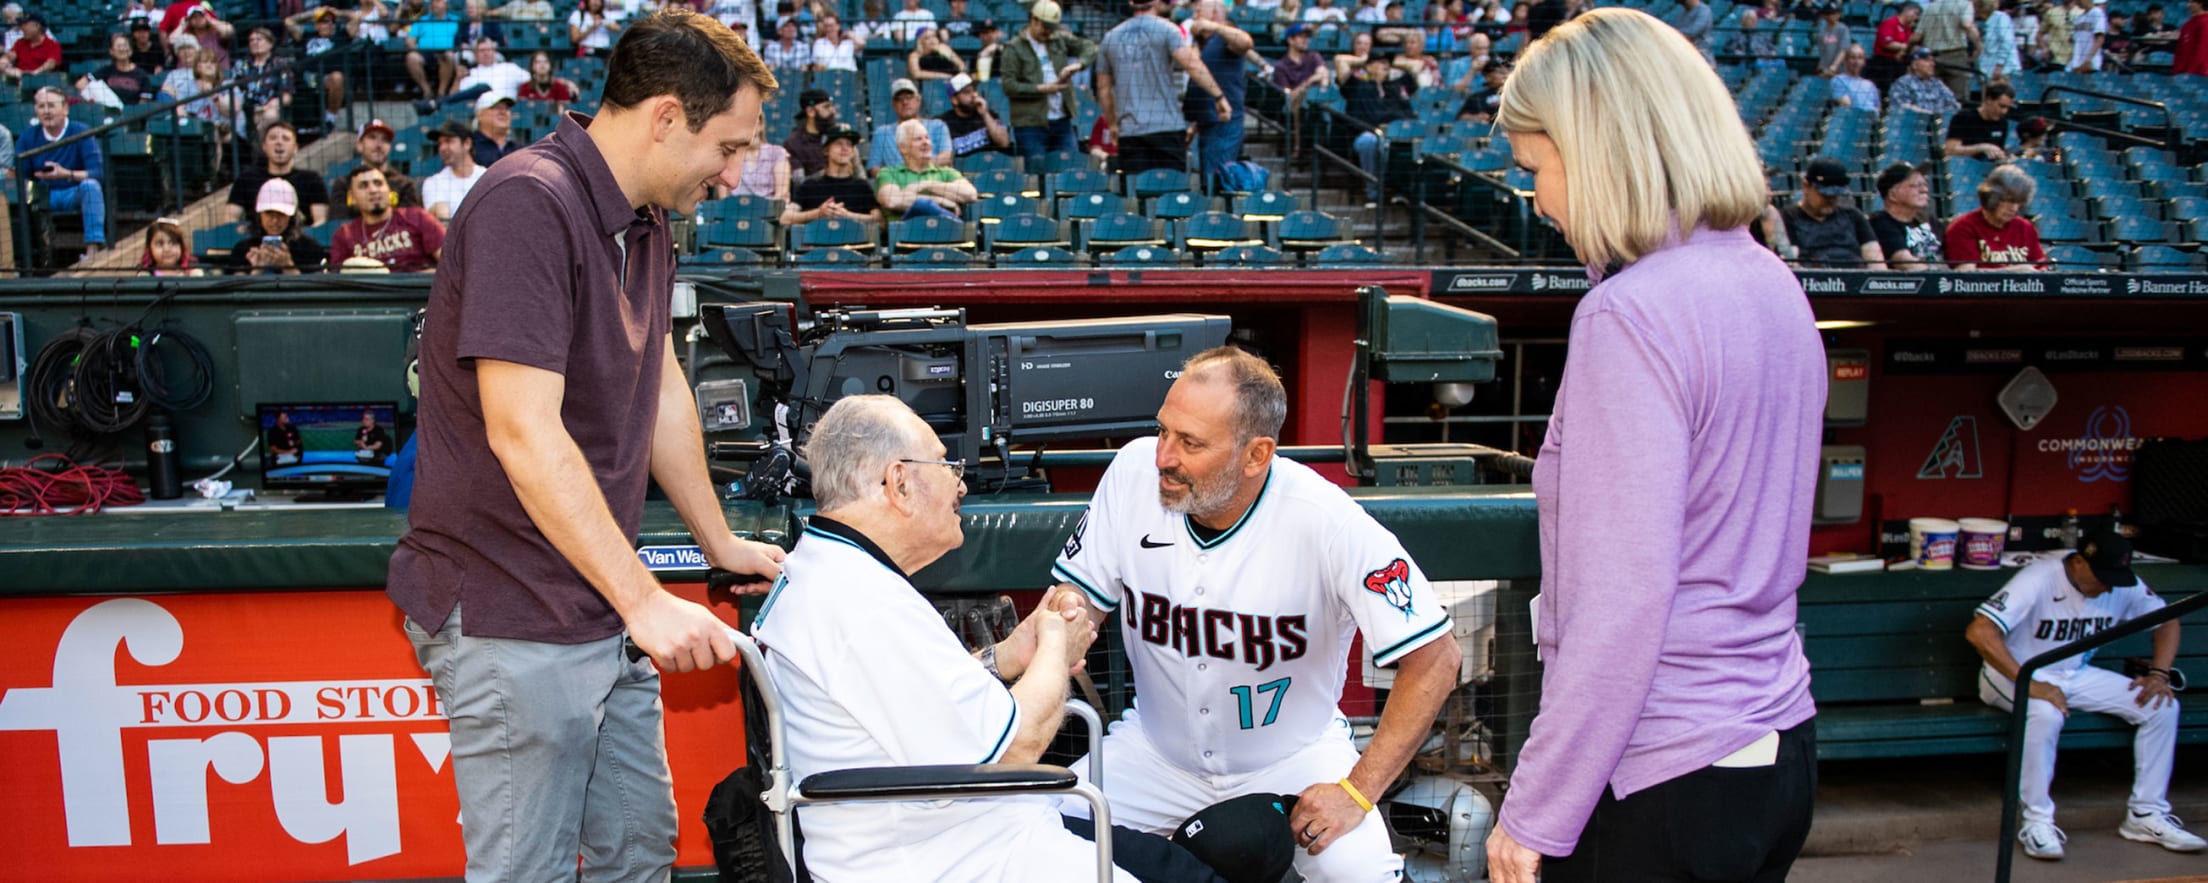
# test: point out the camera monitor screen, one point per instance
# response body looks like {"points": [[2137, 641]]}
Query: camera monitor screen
{"points": [[341, 450]]}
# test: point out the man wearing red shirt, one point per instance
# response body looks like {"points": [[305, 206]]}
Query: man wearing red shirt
{"points": [[1891, 45], [35, 53], [2192, 40], [403, 238]]}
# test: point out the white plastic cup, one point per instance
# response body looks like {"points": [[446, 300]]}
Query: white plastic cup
{"points": [[1932, 543], [1979, 543]]}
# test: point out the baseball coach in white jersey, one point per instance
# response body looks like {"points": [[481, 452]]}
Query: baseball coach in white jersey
{"points": [[1240, 579], [2054, 602]]}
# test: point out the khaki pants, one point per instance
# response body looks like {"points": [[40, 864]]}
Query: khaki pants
{"points": [[1955, 68]]}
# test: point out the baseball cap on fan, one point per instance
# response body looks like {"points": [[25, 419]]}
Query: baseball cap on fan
{"points": [[1827, 175], [2109, 554], [1045, 11], [901, 86], [277, 196], [1244, 839]]}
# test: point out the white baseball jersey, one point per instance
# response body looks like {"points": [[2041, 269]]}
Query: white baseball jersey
{"points": [[1239, 644], [869, 676], [2039, 610]]}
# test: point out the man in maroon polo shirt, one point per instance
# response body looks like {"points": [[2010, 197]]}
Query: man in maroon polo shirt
{"points": [[550, 397]]}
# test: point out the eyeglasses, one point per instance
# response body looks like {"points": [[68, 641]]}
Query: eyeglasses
{"points": [[958, 467]]}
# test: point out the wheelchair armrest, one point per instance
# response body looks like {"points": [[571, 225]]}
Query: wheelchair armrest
{"points": [[934, 782]]}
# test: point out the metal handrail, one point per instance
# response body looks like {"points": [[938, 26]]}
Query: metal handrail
{"points": [[2019, 710], [1321, 156], [1456, 224], [2169, 121]]}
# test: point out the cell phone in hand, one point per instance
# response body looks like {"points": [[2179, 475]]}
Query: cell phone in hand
{"points": [[272, 242]]}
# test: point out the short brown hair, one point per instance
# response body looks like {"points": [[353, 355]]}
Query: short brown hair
{"points": [[690, 56]]}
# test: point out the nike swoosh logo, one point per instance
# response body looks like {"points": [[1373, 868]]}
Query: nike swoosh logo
{"points": [[1147, 544], [2062, 597]]}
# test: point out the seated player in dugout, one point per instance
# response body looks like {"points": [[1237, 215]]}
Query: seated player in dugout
{"points": [[1240, 579]]}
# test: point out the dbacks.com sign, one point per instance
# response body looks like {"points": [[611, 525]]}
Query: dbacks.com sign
{"points": [[159, 739]]}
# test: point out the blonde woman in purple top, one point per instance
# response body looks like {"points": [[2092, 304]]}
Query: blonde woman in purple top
{"points": [[1674, 740]]}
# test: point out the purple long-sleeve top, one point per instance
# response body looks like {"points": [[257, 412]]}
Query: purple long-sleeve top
{"points": [[1674, 490]]}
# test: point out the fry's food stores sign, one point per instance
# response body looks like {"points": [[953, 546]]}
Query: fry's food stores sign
{"points": [[254, 737]]}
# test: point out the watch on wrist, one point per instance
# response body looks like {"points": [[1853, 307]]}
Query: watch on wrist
{"points": [[989, 661]]}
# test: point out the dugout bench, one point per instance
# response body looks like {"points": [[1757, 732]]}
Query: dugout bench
{"points": [[1893, 676]]}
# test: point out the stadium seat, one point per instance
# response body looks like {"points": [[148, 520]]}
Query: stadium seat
{"points": [[832, 256], [1119, 230], [1087, 206], [1311, 231], [1487, 160], [831, 233], [1182, 206], [1075, 182], [725, 257], [992, 209], [2164, 259], [1062, 161], [936, 231], [1143, 255], [2058, 228], [749, 233], [1157, 182], [742, 205], [987, 161], [1269, 205], [214, 244], [2139, 231], [2077, 259], [1211, 231], [1025, 231], [1002, 182], [1247, 256], [1349, 254], [935, 256], [1039, 257], [324, 231]]}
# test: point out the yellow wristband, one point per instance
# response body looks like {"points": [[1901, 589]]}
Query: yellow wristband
{"points": [[1355, 795]]}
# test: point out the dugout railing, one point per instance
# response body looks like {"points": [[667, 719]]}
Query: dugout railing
{"points": [[2020, 711]]}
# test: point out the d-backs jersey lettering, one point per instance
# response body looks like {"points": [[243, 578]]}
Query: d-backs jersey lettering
{"points": [[1239, 643]]}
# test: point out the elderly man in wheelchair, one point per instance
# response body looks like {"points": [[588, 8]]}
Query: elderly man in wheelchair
{"points": [[886, 723]]}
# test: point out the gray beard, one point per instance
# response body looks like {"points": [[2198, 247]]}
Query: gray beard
{"points": [[1200, 499]]}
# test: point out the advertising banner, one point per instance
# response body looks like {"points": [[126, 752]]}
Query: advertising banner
{"points": [[259, 736]]}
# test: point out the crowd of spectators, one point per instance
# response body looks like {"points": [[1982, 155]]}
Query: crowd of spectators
{"points": [[1170, 84]]}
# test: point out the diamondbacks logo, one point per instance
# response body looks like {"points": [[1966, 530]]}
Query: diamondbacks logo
{"points": [[1955, 455], [1073, 543], [1392, 582]]}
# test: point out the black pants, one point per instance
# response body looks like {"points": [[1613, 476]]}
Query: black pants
{"points": [[1149, 857], [1714, 824], [1158, 150]]}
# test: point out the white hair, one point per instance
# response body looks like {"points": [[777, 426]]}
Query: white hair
{"points": [[853, 444]]}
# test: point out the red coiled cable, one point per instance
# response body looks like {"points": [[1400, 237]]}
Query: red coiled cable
{"points": [[64, 488]]}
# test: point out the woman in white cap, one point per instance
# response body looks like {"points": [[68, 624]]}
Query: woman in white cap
{"points": [[176, 85], [282, 248]]}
